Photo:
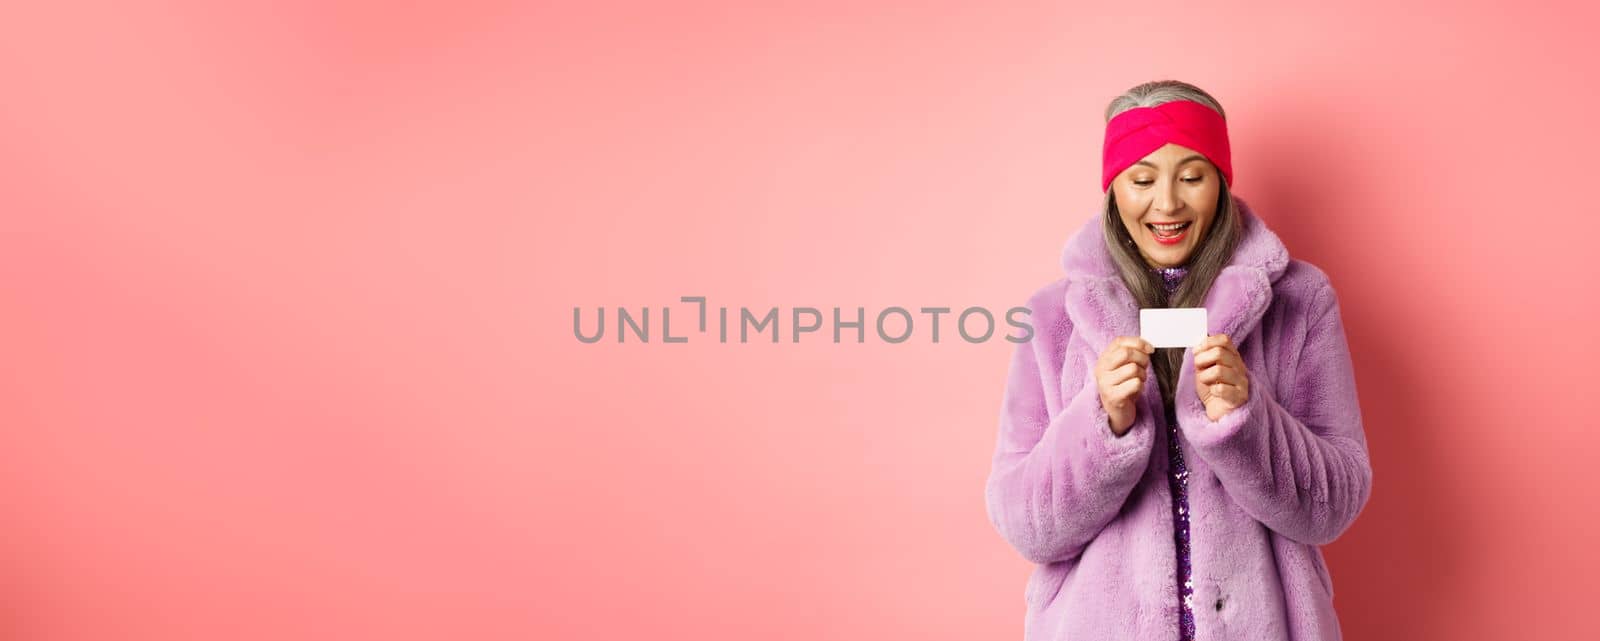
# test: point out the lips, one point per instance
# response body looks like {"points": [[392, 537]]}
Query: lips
{"points": [[1173, 236]]}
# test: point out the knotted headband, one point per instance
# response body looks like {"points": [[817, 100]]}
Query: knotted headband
{"points": [[1134, 133]]}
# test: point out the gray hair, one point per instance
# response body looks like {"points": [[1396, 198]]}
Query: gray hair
{"points": [[1207, 260]]}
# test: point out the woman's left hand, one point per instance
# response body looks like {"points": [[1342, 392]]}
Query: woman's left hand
{"points": [[1220, 378]]}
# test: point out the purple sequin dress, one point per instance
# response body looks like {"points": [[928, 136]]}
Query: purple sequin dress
{"points": [[1178, 482]]}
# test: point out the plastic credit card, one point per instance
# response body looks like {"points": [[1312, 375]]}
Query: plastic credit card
{"points": [[1173, 327]]}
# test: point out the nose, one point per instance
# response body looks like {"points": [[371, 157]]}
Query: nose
{"points": [[1166, 200]]}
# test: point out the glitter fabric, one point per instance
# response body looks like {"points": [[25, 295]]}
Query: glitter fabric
{"points": [[1171, 276], [1178, 482]]}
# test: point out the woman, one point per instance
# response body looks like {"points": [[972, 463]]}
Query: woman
{"points": [[1179, 493]]}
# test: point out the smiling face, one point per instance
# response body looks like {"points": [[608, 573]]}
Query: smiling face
{"points": [[1174, 184]]}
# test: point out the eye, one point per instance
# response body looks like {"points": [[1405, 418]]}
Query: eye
{"points": [[1191, 180]]}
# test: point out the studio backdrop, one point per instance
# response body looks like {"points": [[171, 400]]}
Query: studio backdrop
{"points": [[692, 320]]}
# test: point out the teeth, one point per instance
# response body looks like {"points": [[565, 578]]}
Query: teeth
{"points": [[1168, 230]]}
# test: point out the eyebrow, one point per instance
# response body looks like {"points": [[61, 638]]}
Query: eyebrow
{"points": [[1186, 159]]}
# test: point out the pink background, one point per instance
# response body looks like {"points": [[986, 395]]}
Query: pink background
{"points": [[286, 296]]}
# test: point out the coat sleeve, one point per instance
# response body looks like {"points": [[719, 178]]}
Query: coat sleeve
{"points": [[1303, 473], [1058, 477]]}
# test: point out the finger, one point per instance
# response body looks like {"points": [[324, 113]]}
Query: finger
{"points": [[1218, 356], [1114, 353], [1224, 373], [1136, 342], [1233, 394], [1126, 389], [1231, 358], [1123, 353], [1208, 357], [1214, 340], [1230, 391], [1230, 355], [1235, 376], [1123, 372], [1221, 373]]}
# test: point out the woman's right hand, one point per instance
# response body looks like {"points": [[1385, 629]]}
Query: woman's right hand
{"points": [[1120, 374]]}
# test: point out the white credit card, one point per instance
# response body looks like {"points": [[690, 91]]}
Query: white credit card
{"points": [[1173, 327]]}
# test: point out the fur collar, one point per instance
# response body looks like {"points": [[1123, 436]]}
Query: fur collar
{"points": [[1102, 308]]}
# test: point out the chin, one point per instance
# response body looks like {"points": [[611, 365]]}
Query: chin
{"points": [[1168, 260]]}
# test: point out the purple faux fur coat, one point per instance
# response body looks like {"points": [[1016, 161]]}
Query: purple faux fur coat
{"points": [[1268, 483]]}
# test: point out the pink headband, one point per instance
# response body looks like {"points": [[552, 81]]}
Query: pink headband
{"points": [[1134, 133]]}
